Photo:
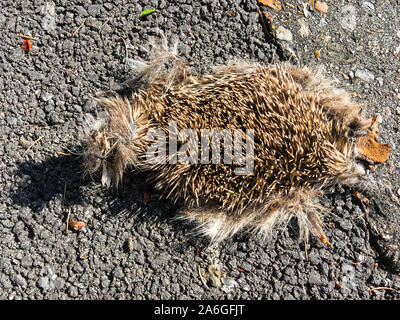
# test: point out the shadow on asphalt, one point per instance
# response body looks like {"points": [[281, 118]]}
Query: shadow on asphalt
{"points": [[47, 180], [63, 177]]}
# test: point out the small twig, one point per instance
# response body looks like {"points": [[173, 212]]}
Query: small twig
{"points": [[33, 143], [63, 153], [77, 30], [27, 37], [67, 222], [379, 288], [201, 277], [103, 25]]}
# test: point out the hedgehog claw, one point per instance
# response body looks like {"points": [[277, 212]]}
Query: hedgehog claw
{"points": [[324, 240]]}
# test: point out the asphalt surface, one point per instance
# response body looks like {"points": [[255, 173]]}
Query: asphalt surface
{"points": [[132, 248]]}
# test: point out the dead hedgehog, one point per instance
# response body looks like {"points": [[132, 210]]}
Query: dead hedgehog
{"points": [[302, 136]]}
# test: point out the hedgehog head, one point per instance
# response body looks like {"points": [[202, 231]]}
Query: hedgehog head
{"points": [[100, 150], [95, 154], [116, 140]]}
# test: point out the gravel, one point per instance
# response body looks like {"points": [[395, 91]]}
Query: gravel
{"points": [[46, 93]]}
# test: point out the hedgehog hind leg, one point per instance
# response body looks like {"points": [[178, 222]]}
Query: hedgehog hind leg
{"points": [[309, 213], [217, 224], [316, 226], [304, 206]]}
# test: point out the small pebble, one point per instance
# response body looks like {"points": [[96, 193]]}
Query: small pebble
{"points": [[118, 273], [349, 20], [43, 283], [58, 283], [284, 34], [228, 285], [20, 281], [315, 278], [246, 287], [45, 96], [11, 121], [322, 7], [348, 276], [365, 75], [366, 5], [49, 16]]}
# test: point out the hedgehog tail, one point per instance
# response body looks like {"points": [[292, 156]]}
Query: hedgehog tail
{"points": [[275, 212]]}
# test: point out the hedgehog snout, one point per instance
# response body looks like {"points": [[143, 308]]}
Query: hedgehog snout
{"points": [[97, 152], [92, 163]]}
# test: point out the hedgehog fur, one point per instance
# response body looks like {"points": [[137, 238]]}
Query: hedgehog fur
{"points": [[305, 135]]}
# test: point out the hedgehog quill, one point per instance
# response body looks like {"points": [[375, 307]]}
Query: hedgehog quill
{"points": [[286, 128]]}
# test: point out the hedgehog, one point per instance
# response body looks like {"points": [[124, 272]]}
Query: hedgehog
{"points": [[302, 136]]}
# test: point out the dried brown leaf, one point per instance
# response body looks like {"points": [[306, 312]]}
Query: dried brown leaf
{"points": [[369, 148], [26, 45], [368, 145], [76, 225], [274, 4]]}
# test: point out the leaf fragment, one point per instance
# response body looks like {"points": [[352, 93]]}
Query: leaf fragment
{"points": [[147, 12], [76, 225], [274, 4], [368, 145], [372, 150], [318, 54], [26, 45]]}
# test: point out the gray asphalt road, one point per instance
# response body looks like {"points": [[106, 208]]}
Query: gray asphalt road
{"points": [[133, 249]]}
